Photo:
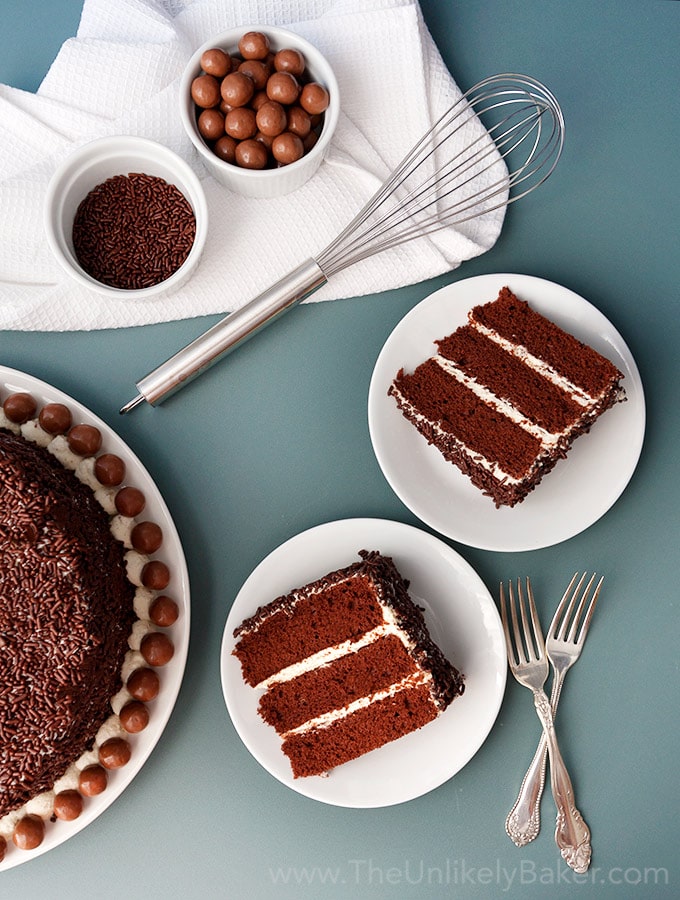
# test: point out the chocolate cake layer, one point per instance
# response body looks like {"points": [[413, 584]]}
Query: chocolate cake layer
{"points": [[517, 322], [361, 673], [510, 379], [320, 749], [453, 418], [342, 610]]}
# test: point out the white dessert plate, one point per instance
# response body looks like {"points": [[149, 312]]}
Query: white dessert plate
{"points": [[171, 674], [578, 491], [463, 621]]}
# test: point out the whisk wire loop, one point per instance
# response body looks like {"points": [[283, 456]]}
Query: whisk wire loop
{"points": [[450, 177]]}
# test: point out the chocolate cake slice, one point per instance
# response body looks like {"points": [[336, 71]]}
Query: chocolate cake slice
{"points": [[506, 395], [345, 664]]}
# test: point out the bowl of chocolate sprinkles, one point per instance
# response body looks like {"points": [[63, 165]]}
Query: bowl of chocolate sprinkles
{"points": [[126, 217]]}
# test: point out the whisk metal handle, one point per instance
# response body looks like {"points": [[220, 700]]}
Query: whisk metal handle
{"points": [[228, 334]]}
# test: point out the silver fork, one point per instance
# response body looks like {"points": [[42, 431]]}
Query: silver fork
{"points": [[563, 648], [529, 664]]}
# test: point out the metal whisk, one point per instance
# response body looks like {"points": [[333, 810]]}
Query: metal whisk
{"points": [[436, 185]]}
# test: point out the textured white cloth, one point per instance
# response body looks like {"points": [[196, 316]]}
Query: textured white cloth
{"points": [[120, 75]]}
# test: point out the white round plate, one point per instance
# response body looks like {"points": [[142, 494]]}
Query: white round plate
{"points": [[462, 620], [170, 675], [577, 492]]}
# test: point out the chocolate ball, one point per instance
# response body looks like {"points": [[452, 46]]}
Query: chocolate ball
{"points": [[114, 753], [19, 407], [85, 440], [271, 118], [287, 148], [257, 70], [68, 805], [29, 832], [225, 148], [216, 62], [92, 780], [314, 98], [134, 717], [163, 611], [290, 60], [251, 154], [146, 537], [254, 45], [205, 91], [129, 502], [240, 123], [55, 418], [155, 575], [144, 684], [283, 87], [109, 469], [237, 89], [157, 648], [298, 121], [211, 124]]}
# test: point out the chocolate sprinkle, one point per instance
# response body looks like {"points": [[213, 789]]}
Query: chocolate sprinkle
{"points": [[133, 231]]}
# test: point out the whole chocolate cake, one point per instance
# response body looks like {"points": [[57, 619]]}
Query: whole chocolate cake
{"points": [[66, 610], [80, 602]]}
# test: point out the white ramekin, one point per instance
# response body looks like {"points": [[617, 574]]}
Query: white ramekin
{"points": [[89, 166], [262, 183]]}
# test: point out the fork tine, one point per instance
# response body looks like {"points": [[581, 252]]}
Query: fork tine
{"points": [[561, 617], [591, 609], [520, 648], [525, 623], [513, 646], [577, 617], [512, 656], [538, 634]]}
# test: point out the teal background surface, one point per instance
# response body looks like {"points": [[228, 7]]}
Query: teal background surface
{"points": [[275, 440]]}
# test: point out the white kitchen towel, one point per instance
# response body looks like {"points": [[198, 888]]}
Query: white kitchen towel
{"points": [[120, 75]]}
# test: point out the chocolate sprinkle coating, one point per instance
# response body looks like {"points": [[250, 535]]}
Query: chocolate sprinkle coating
{"points": [[66, 610]]}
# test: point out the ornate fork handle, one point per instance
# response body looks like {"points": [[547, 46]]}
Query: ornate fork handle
{"points": [[524, 819], [572, 835]]}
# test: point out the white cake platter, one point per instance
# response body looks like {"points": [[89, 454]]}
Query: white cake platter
{"points": [[170, 675]]}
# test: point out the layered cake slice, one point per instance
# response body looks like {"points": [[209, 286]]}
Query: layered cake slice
{"points": [[345, 665], [506, 395]]}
